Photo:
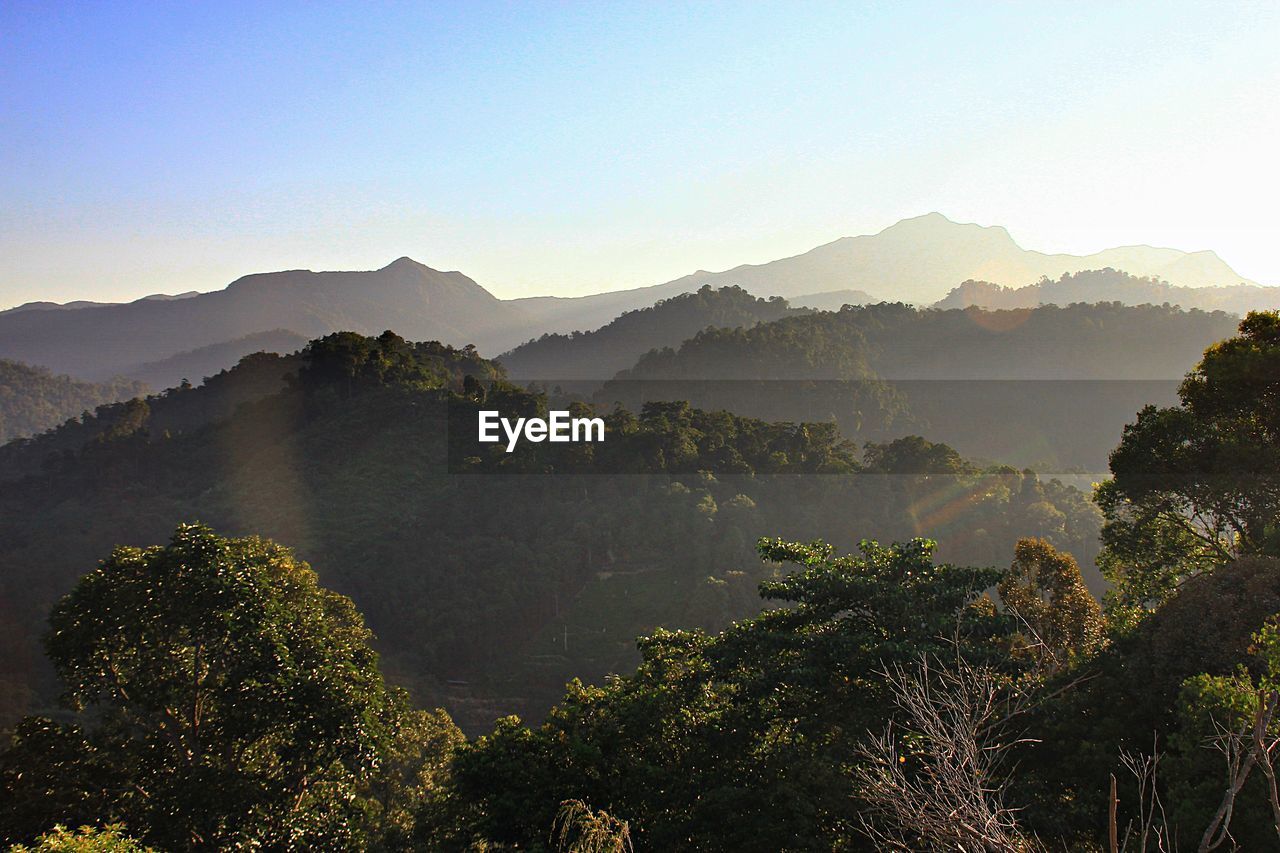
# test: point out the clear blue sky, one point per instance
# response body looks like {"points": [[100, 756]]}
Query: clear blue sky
{"points": [[570, 148]]}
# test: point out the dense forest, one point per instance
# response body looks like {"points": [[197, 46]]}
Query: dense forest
{"points": [[896, 692], [490, 577], [33, 399], [1048, 388]]}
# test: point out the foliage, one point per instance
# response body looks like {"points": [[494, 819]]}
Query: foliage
{"points": [[885, 370], [1134, 691], [601, 353], [490, 578], [1195, 484], [578, 829], [1062, 623], [743, 740], [33, 399], [87, 839], [235, 701]]}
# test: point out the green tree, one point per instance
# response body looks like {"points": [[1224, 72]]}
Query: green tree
{"points": [[237, 701], [1061, 623], [1197, 484], [744, 740], [87, 839]]}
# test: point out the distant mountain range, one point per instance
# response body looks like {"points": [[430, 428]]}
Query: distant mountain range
{"points": [[426, 304], [917, 260]]}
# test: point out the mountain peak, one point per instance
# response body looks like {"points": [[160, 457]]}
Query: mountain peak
{"points": [[404, 262]]}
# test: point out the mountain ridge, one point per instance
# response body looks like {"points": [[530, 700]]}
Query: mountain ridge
{"points": [[916, 260]]}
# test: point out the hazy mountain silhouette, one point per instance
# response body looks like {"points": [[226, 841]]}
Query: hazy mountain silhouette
{"points": [[105, 340], [195, 365], [916, 260], [832, 300]]}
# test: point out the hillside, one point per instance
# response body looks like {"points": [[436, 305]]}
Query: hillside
{"points": [[1111, 285], [601, 353], [1047, 387], [832, 300], [195, 365], [474, 568], [33, 399]]}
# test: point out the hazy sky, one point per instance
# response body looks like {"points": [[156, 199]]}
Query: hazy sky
{"points": [[571, 148]]}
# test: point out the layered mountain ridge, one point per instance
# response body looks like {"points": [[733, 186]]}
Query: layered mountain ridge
{"points": [[918, 260]]}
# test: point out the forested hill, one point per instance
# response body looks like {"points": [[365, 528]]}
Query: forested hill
{"points": [[893, 341], [1048, 387], [33, 399], [1111, 285], [488, 590], [187, 408], [601, 353]]}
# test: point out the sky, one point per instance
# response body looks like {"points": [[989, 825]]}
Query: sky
{"points": [[573, 148]]}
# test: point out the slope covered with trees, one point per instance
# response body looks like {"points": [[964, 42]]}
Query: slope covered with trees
{"points": [[601, 353], [490, 577], [890, 704], [1046, 387], [33, 399], [217, 695], [195, 365]]}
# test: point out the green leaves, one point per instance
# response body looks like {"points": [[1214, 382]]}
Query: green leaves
{"points": [[742, 740], [238, 701], [1197, 484]]}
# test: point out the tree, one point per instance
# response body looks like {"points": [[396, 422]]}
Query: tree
{"points": [[87, 839], [744, 740], [239, 701], [1197, 484], [935, 779], [1062, 623]]}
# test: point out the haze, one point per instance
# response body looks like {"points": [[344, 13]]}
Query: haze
{"points": [[571, 149]]}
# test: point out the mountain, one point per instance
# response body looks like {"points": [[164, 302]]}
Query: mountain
{"points": [[99, 341], [195, 365], [916, 260], [86, 303], [1110, 285], [33, 399], [601, 353], [832, 300]]}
